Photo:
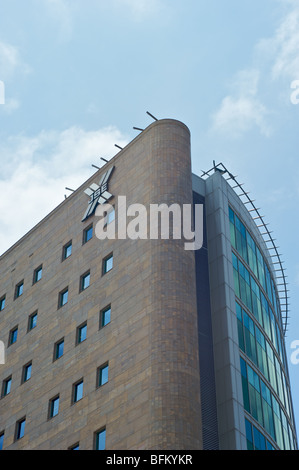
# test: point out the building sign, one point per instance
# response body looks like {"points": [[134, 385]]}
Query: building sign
{"points": [[98, 194]]}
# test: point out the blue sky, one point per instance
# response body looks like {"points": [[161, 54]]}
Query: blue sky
{"points": [[80, 74]]}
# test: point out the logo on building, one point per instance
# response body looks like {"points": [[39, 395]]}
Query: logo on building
{"points": [[98, 194]]}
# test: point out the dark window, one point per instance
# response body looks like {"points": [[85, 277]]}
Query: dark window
{"points": [[20, 428], [32, 321], [103, 374], [63, 297], [2, 303], [84, 281], [13, 336], [1, 440], [74, 447], [19, 289], [107, 263], [37, 275], [58, 349], [100, 439], [27, 372], [67, 250], [54, 406], [78, 391], [87, 234], [105, 316], [81, 333], [6, 386]]}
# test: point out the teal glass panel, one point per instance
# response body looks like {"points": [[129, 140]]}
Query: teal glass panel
{"points": [[249, 436], [277, 423], [251, 248], [258, 439], [267, 410], [261, 353], [250, 346], [254, 395], [240, 327], [245, 385]]}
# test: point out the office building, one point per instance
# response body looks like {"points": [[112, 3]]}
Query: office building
{"points": [[143, 343]]}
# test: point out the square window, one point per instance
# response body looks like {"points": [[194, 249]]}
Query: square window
{"points": [[108, 263], [32, 321], [103, 375], [2, 303], [81, 333], [27, 372], [20, 428], [78, 391], [105, 316], [84, 281], [6, 387], [53, 407], [1, 440], [100, 439], [13, 336], [67, 250], [58, 349], [19, 289], [63, 297], [37, 275], [87, 234]]}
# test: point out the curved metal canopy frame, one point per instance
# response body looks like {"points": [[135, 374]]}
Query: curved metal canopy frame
{"points": [[281, 283]]}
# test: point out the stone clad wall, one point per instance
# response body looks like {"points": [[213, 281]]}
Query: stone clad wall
{"points": [[151, 400]]}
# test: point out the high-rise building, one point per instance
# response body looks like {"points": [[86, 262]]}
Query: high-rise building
{"points": [[139, 340]]}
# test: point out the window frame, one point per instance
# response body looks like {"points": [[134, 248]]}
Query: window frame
{"points": [[17, 292], [51, 409], [36, 272], [4, 386], [96, 438], [100, 370], [102, 316], [2, 302], [78, 330], [86, 231], [15, 329], [104, 265], [27, 367], [75, 398], [60, 297], [69, 244], [30, 319], [20, 426], [56, 345], [2, 434], [82, 279]]}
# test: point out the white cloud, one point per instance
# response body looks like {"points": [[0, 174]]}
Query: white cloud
{"points": [[139, 9], [242, 111], [275, 58], [35, 171], [239, 115], [61, 13], [283, 47], [10, 61]]}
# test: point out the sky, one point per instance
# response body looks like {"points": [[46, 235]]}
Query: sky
{"points": [[79, 75]]}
